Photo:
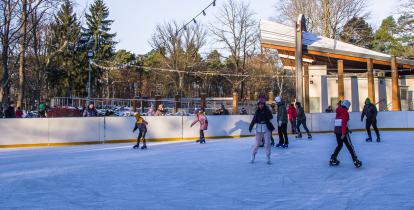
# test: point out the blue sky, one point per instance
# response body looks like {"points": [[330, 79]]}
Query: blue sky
{"points": [[135, 20]]}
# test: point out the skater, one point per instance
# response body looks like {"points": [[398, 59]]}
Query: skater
{"points": [[301, 120], [90, 111], [342, 134], [292, 117], [370, 111], [19, 113], [202, 119], [10, 112], [282, 120], [140, 124], [264, 128]]}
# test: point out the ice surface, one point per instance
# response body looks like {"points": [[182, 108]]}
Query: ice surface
{"points": [[216, 175]]}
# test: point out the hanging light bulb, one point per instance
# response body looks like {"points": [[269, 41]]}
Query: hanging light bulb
{"points": [[185, 27], [204, 13], [194, 20], [214, 3]]}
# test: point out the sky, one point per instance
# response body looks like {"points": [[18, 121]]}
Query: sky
{"points": [[135, 20]]}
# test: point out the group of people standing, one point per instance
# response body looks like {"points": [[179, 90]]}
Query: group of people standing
{"points": [[297, 117], [11, 112]]}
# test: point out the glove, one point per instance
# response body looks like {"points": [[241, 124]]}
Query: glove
{"points": [[342, 137]]}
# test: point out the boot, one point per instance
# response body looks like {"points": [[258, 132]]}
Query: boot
{"points": [[334, 161]]}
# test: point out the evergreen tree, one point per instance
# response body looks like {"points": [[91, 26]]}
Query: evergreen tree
{"points": [[386, 38], [358, 32], [65, 72]]}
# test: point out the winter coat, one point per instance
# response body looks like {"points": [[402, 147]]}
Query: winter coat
{"points": [[371, 111], [282, 113], [292, 113], [19, 114], [263, 116], [10, 113], [202, 119], [140, 124], [301, 114], [342, 113], [90, 113]]}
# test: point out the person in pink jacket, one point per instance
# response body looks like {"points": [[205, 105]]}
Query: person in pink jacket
{"points": [[202, 119]]}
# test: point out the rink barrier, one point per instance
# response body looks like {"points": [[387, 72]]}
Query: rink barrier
{"points": [[107, 130]]}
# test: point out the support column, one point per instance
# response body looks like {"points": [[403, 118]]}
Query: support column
{"points": [[299, 27], [396, 102], [341, 90], [306, 102], [235, 103], [371, 86]]}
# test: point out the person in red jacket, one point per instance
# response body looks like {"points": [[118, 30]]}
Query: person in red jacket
{"points": [[19, 113], [342, 134], [292, 117]]}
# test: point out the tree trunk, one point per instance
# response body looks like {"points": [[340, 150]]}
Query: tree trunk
{"points": [[23, 35], [326, 17]]}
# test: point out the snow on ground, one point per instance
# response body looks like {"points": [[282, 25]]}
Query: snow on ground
{"points": [[216, 175]]}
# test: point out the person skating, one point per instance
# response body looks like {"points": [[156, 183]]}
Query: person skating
{"points": [[141, 125], [301, 120], [202, 119], [342, 135], [282, 120], [292, 114], [10, 111], [264, 128], [90, 111], [370, 111]]}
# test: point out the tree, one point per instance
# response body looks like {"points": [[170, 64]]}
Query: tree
{"points": [[101, 41], [236, 29], [324, 17], [385, 37], [179, 49], [358, 32]]}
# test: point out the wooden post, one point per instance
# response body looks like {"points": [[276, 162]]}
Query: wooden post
{"points": [[235, 103], [177, 103], [256, 96], [396, 102], [306, 102], [134, 105], [271, 97], [299, 27], [371, 86], [341, 89]]}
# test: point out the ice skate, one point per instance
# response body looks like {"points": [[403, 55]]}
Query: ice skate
{"points": [[334, 161], [368, 139], [144, 147], [135, 146], [378, 139], [357, 163]]}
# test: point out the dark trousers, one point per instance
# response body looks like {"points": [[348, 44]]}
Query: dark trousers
{"points": [[348, 145], [201, 134], [141, 134], [302, 122], [283, 136], [293, 124], [368, 125]]}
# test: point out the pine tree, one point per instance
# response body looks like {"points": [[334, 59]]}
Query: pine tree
{"points": [[386, 38], [65, 72], [358, 32]]}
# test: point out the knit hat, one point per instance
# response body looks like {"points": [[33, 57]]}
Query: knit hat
{"points": [[367, 101], [278, 99], [261, 101], [346, 104]]}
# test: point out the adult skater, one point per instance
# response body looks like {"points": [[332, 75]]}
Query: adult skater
{"points": [[90, 111], [342, 134], [282, 120], [141, 125], [370, 111], [202, 119], [292, 114], [301, 120], [264, 128]]}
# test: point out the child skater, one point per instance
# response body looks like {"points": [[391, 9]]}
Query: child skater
{"points": [[140, 124], [342, 134], [264, 128], [202, 119]]}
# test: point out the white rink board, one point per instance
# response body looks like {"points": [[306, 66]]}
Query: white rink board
{"points": [[72, 130], [62, 130], [24, 131]]}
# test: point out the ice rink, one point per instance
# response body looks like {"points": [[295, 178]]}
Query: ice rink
{"points": [[217, 175]]}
